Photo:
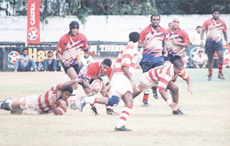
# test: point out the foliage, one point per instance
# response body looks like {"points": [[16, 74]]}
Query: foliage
{"points": [[83, 8]]}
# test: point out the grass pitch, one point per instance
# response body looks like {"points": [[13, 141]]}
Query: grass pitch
{"points": [[207, 119]]}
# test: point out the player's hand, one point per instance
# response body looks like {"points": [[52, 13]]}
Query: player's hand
{"points": [[189, 90], [173, 106], [175, 42], [53, 99], [66, 63], [201, 44], [105, 91]]}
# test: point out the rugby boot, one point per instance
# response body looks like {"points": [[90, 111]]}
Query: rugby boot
{"points": [[122, 128], [5, 104], [110, 111], [145, 103], [221, 76], [94, 110], [81, 103], [155, 93], [209, 77], [177, 112]]}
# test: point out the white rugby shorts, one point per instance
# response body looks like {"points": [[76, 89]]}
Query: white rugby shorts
{"points": [[121, 84], [28, 105], [145, 82]]}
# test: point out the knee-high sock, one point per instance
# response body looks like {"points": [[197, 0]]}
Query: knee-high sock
{"points": [[146, 95], [220, 66], [124, 116]]}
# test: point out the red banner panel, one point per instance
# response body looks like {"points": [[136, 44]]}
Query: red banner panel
{"points": [[33, 22]]}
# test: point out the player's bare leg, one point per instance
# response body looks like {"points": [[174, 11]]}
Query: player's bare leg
{"points": [[73, 75]]}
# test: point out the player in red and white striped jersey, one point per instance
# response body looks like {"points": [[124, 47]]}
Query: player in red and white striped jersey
{"points": [[96, 70], [162, 78], [121, 85], [214, 28], [176, 41], [54, 100]]}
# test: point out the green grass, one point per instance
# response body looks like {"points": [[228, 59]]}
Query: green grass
{"points": [[206, 121]]}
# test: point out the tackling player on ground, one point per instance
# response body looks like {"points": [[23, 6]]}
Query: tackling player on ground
{"points": [[54, 100]]}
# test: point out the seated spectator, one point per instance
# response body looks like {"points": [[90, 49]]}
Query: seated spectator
{"points": [[86, 59], [25, 62], [200, 60], [49, 62], [185, 59]]}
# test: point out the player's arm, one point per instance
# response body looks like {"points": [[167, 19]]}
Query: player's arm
{"points": [[68, 83], [184, 75], [126, 72], [202, 41], [226, 37], [54, 107]]}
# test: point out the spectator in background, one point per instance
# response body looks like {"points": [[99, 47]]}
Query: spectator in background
{"points": [[200, 59], [49, 62], [25, 62], [195, 37], [86, 59], [186, 59]]}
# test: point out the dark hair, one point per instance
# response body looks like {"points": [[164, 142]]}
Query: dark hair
{"points": [[50, 51], [134, 37], [215, 10], [74, 24], [24, 49], [198, 27], [69, 89], [153, 15], [178, 63], [107, 62]]}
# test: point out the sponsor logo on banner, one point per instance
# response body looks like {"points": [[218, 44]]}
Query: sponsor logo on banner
{"points": [[33, 33], [12, 56], [33, 22]]}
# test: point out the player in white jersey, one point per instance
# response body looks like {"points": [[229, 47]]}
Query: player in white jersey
{"points": [[54, 100], [121, 85], [162, 78]]}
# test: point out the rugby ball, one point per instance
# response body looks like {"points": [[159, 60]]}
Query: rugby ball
{"points": [[96, 86]]}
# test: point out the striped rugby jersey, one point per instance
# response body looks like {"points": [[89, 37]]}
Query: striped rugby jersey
{"points": [[93, 71], [71, 47], [214, 29], [180, 36], [153, 42], [44, 101], [127, 58], [162, 75]]}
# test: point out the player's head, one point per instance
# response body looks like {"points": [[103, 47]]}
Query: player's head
{"points": [[134, 37], [215, 14], [67, 92], [155, 20], [175, 23], [74, 28], [198, 29], [105, 65], [178, 66], [25, 51]]}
